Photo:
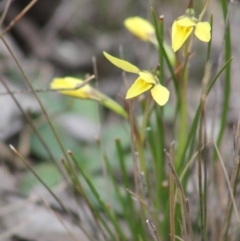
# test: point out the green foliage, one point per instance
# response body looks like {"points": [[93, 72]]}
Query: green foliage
{"points": [[46, 171], [138, 172]]}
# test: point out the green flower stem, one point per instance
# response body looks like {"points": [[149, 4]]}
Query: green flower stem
{"points": [[100, 201], [227, 80], [160, 146], [172, 197], [161, 56], [210, 42], [160, 111], [129, 206], [162, 49], [134, 138], [77, 184], [146, 113], [192, 132], [122, 161], [111, 104], [137, 141], [142, 161], [122, 200], [182, 130]]}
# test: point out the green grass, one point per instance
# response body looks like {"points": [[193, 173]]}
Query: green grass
{"points": [[135, 177]]}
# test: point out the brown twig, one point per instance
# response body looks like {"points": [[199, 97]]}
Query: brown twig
{"points": [[184, 200], [5, 12], [44, 111], [31, 124], [153, 230], [57, 199], [228, 183], [172, 197], [18, 17]]}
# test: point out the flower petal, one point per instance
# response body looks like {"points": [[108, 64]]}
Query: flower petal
{"points": [[139, 27], [179, 35], [122, 64], [86, 92], [186, 22], [203, 31], [70, 82], [138, 87], [147, 77], [160, 94]]}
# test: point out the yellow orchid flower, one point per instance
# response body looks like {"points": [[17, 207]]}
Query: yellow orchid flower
{"points": [[145, 31], [85, 92], [184, 26], [140, 27], [145, 81]]}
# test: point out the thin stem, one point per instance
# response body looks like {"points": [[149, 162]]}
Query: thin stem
{"points": [[136, 141], [183, 114], [100, 143], [161, 56], [203, 11], [226, 45], [78, 86], [18, 17], [138, 164], [108, 212], [146, 114], [205, 81], [134, 158], [5, 12], [201, 147], [229, 184], [153, 230], [200, 189], [184, 199], [172, 197], [190, 4], [50, 191], [79, 188], [28, 119], [234, 182], [39, 102]]}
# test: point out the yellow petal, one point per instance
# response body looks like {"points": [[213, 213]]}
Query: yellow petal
{"points": [[122, 64], [147, 77], [138, 87], [70, 82], [86, 92], [203, 31], [140, 27], [160, 94], [179, 35], [185, 21]]}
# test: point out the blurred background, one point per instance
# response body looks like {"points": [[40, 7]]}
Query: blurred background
{"points": [[62, 38]]}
